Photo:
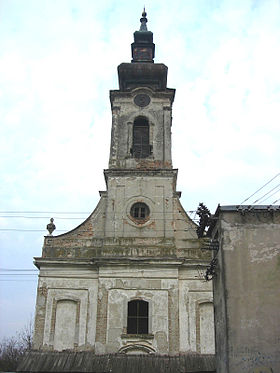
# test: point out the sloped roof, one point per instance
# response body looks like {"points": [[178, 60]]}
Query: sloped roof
{"points": [[87, 361]]}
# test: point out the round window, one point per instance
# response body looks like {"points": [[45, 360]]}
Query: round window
{"points": [[139, 211], [142, 100]]}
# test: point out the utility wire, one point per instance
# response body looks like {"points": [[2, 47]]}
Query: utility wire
{"points": [[38, 217], [19, 280], [18, 274], [17, 270], [44, 212], [272, 194], [57, 212], [154, 213], [257, 200], [28, 230], [70, 229], [246, 199], [64, 217], [83, 231]]}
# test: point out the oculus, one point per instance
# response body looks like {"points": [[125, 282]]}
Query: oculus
{"points": [[142, 100], [140, 212]]}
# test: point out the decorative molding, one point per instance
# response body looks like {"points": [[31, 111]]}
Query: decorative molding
{"points": [[137, 347]]}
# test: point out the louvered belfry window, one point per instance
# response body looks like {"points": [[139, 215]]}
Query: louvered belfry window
{"points": [[137, 317], [141, 142]]}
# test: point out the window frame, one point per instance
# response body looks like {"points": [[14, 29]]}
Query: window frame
{"points": [[136, 323], [140, 212], [141, 147]]}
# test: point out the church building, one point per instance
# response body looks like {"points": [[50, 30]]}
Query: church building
{"points": [[127, 280]]}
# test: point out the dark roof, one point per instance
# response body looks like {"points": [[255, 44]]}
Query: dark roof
{"points": [[133, 75], [241, 209], [248, 208], [87, 361]]}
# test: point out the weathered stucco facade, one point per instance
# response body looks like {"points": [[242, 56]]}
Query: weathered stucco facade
{"points": [[137, 245], [246, 289]]}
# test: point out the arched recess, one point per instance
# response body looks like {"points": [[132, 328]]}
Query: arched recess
{"points": [[205, 337], [141, 147], [65, 324]]}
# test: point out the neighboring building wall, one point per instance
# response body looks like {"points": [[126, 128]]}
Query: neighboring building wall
{"points": [[246, 289]]}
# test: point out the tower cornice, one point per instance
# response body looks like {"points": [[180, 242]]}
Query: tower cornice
{"points": [[167, 93], [160, 172]]}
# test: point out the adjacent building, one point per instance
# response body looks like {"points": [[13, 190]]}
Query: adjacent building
{"points": [[246, 281]]}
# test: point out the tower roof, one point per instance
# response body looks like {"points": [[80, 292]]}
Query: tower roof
{"points": [[143, 21], [143, 48], [142, 71]]}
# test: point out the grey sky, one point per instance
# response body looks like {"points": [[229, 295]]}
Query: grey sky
{"points": [[58, 61]]}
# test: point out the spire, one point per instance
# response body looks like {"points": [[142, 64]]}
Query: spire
{"points": [[143, 21], [143, 48]]}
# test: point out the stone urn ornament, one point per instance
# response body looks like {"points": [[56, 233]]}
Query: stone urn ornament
{"points": [[51, 227]]}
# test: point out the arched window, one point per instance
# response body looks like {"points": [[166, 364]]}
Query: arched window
{"points": [[137, 317], [141, 142]]}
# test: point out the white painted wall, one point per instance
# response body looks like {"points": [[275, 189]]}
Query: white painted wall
{"points": [[65, 325]]}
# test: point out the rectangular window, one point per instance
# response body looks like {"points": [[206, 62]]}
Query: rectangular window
{"points": [[137, 317]]}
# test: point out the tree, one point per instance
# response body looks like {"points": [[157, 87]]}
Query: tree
{"points": [[13, 348]]}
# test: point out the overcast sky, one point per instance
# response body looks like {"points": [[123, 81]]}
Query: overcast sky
{"points": [[58, 61]]}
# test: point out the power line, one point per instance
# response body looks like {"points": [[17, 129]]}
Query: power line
{"points": [[266, 194], [17, 270], [18, 280], [44, 212], [66, 217], [20, 274], [116, 219], [246, 199], [272, 194], [83, 231], [39, 217], [58, 212], [27, 230], [167, 213]]}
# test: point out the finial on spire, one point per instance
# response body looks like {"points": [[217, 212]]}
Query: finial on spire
{"points": [[143, 21], [143, 48]]}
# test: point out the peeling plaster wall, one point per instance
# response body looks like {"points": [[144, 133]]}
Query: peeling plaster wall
{"points": [[246, 292], [77, 288], [158, 114], [155, 191], [195, 334], [100, 275], [90, 273], [100, 308]]}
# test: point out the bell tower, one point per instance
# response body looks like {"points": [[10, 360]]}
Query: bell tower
{"points": [[140, 175], [141, 109], [126, 279]]}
